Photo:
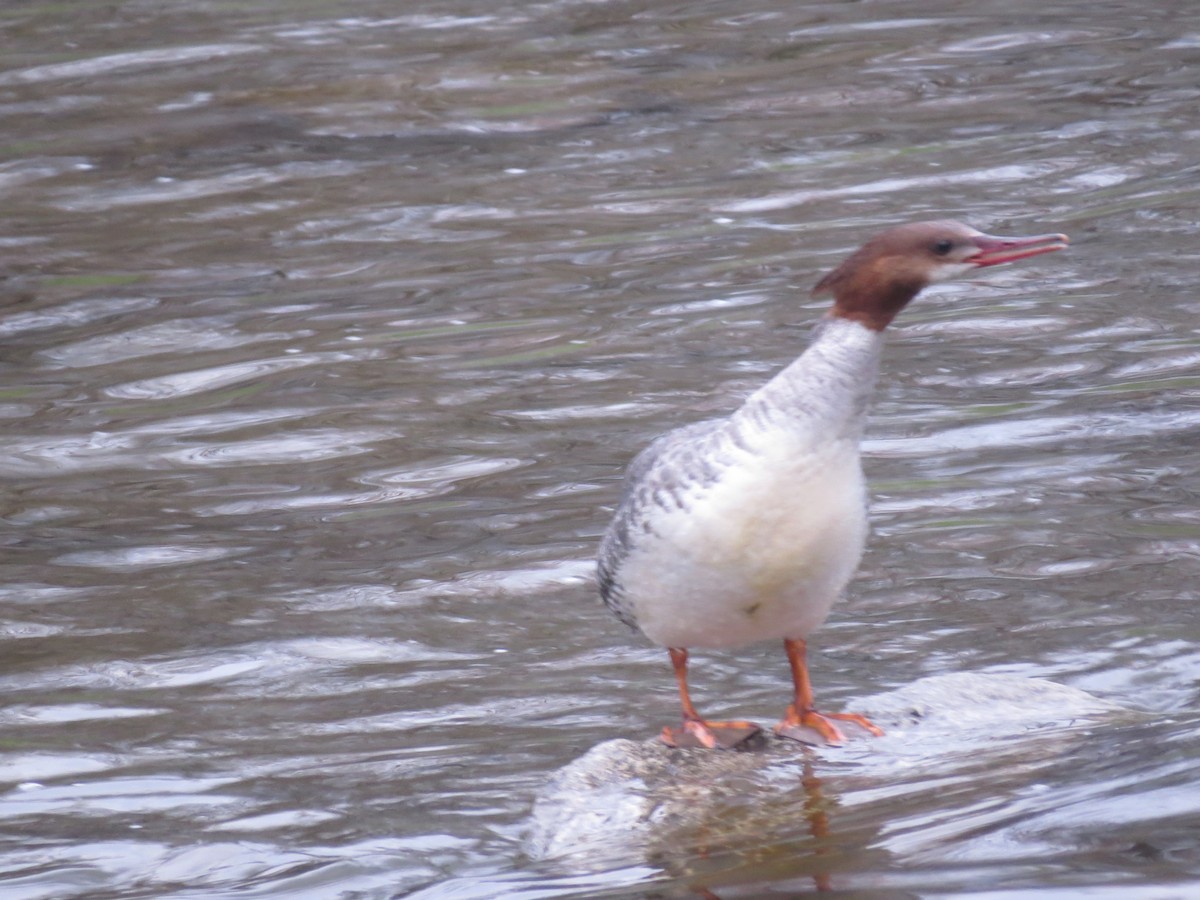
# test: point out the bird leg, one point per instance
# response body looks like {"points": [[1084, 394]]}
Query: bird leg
{"points": [[802, 722], [695, 732]]}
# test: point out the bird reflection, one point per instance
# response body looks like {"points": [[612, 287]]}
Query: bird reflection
{"points": [[766, 861]]}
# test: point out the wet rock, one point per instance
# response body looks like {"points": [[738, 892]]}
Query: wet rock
{"points": [[628, 801], [994, 703]]}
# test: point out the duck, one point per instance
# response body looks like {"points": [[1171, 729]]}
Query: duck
{"points": [[748, 528]]}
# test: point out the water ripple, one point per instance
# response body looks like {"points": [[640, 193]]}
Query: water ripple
{"points": [[177, 336], [98, 66], [73, 314], [128, 559], [1008, 174], [297, 446], [171, 190], [183, 384], [1045, 431]]}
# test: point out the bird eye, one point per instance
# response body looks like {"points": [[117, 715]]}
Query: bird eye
{"points": [[942, 247]]}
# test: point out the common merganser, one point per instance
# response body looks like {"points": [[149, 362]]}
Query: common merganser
{"points": [[747, 528]]}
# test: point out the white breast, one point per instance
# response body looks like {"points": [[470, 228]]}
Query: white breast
{"points": [[762, 554]]}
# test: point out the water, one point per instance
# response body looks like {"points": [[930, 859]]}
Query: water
{"points": [[326, 330]]}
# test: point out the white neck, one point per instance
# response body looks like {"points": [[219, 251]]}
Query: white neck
{"points": [[823, 395]]}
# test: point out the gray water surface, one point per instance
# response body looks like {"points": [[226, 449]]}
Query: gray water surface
{"points": [[326, 330]]}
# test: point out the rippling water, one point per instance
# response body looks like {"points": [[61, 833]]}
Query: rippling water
{"points": [[326, 330]]}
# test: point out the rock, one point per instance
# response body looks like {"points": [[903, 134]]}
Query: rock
{"points": [[996, 703], [639, 802]]}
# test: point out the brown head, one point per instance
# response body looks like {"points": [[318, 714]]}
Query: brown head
{"points": [[882, 276]]}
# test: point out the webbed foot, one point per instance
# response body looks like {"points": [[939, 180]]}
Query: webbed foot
{"points": [[812, 727], [713, 735]]}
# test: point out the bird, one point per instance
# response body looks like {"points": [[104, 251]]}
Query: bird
{"points": [[747, 528]]}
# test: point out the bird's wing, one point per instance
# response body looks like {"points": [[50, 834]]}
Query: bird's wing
{"points": [[668, 453], [656, 477]]}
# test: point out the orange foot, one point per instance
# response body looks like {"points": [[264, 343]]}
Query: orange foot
{"points": [[812, 727], [712, 735]]}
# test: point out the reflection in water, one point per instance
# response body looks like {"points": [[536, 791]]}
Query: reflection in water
{"points": [[325, 331], [816, 814], [818, 824]]}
